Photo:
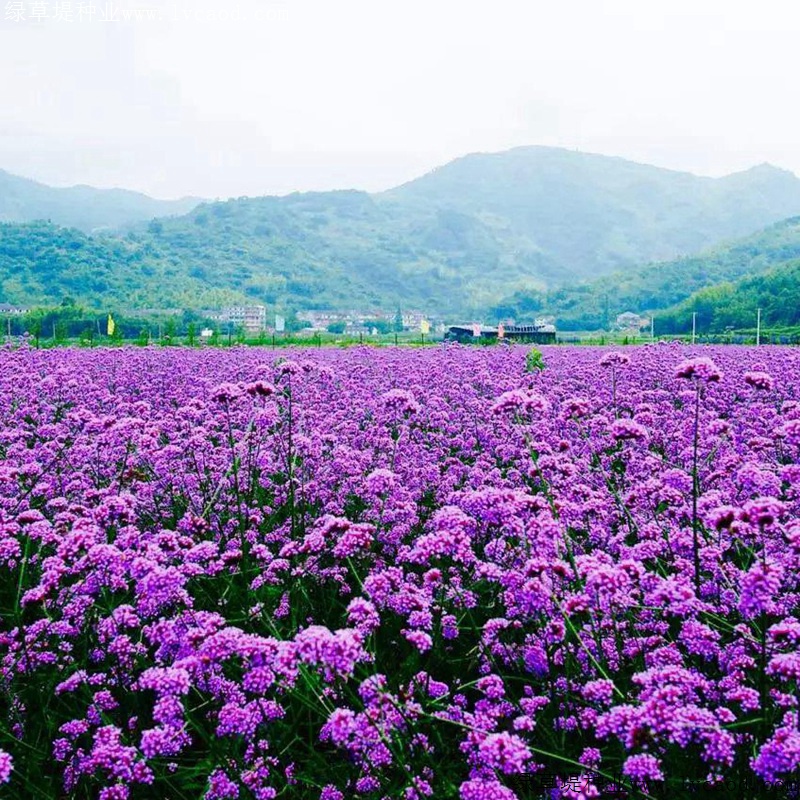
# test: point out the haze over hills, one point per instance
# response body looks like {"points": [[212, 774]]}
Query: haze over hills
{"points": [[454, 242], [82, 207], [589, 305], [589, 214], [735, 305]]}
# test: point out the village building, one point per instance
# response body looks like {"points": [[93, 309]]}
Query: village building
{"points": [[9, 309], [252, 318], [536, 333], [359, 320], [628, 321]]}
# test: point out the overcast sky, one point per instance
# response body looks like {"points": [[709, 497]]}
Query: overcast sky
{"points": [[321, 94]]}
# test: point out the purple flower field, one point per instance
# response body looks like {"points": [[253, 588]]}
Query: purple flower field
{"points": [[399, 573]]}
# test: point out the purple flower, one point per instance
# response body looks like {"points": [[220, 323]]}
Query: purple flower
{"points": [[779, 757], [614, 359], [118, 792], [363, 615], [260, 389], [790, 431], [340, 727], [221, 787], [421, 640], [226, 392], [759, 587], [6, 766], [521, 401], [492, 686], [166, 680], [758, 380], [288, 368], [643, 767], [623, 429], [163, 741], [577, 407], [787, 665], [357, 539], [504, 752], [762, 511], [337, 653], [483, 789], [400, 401], [451, 537], [700, 369]]}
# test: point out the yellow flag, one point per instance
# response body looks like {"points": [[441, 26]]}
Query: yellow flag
{"points": [[425, 326], [111, 326]]}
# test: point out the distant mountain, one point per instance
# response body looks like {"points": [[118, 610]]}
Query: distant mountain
{"points": [[588, 214], [770, 283], [82, 207], [483, 229], [595, 304], [340, 249], [735, 304]]}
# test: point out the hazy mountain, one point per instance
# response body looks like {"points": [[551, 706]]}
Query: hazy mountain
{"points": [[735, 305], [455, 241], [595, 304], [588, 214], [83, 207]]}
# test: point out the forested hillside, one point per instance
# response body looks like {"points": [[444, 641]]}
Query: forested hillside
{"points": [[508, 234]]}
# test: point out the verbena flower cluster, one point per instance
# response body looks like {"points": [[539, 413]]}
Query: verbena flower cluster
{"points": [[395, 573]]}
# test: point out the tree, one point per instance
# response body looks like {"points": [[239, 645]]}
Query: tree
{"points": [[398, 321], [34, 325], [170, 329], [381, 325], [337, 327]]}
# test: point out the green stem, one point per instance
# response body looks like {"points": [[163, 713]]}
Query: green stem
{"points": [[696, 491]]}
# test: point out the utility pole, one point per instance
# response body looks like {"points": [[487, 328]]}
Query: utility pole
{"points": [[652, 328], [694, 326], [758, 328]]}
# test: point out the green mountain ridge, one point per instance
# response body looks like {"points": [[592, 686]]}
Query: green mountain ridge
{"points": [[595, 304], [592, 214], [481, 232], [82, 207], [735, 304]]}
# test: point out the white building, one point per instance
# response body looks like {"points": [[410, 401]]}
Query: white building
{"points": [[252, 318], [628, 321], [8, 308]]}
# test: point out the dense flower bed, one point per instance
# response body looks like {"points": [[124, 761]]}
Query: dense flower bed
{"points": [[397, 573]]}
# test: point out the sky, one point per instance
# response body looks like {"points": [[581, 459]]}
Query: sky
{"points": [[225, 98]]}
